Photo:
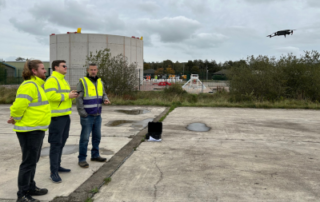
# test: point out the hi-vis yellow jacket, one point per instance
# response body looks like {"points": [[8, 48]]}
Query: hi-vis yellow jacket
{"points": [[57, 90], [31, 109]]}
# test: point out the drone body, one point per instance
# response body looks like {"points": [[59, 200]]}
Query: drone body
{"points": [[282, 32]]}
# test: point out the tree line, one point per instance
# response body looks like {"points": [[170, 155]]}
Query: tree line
{"points": [[190, 67]]}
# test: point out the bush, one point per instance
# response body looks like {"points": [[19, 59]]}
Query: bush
{"points": [[264, 78], [174, 89], [119, 77]]}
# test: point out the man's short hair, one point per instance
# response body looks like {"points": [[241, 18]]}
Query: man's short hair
{"points": [[92, 64], [56, 63]]}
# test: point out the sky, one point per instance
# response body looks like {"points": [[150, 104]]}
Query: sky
{"points": [[178, 30]]}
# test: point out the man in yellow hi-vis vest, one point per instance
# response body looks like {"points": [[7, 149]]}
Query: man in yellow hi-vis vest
{"points": [[89, 103], [60, 99], [31, 116]]}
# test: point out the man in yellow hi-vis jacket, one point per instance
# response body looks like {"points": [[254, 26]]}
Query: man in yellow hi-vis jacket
{"points": [[31, 116], [60, 98]]}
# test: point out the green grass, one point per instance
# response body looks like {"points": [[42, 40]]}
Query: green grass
{"points": [[89, 200], [94, 190], [221, 99], [107, 180], [176, 99]]}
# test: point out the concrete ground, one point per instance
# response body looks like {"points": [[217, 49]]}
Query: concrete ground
{"points": [[113, 139], [249, 155]]}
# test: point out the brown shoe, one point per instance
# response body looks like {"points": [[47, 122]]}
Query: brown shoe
{"points": [[99, 159], [83, 164]]}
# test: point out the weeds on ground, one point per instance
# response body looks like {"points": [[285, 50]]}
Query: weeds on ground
{"points": [[89, 200], [94, 190], [107, 180]]}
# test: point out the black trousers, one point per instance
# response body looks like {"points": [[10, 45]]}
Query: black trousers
{"points": [[58, 135], [31, 144]]}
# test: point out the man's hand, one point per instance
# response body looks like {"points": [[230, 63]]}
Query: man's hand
{"points": [[11, 120], [106, 102], [73, 94]]}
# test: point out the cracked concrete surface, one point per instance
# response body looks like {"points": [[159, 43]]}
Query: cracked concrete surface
{"points": [[113, 139], [249, 155]]}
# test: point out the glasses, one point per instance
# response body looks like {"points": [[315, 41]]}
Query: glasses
{"points": [[64, 66]]}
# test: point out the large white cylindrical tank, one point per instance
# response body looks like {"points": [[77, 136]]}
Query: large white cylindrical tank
{"points": [[74, 47]]}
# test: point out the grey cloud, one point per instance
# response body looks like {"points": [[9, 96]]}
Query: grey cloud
{"points": [[148, 6], [263, 1], [207, 40], [174, 29], [198, 7], [73, 15], [2, 4], [32, 27], [288, 49], [314, 3]]}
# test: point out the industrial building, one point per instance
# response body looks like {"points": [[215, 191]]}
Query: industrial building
{"points": [[74, 47]]}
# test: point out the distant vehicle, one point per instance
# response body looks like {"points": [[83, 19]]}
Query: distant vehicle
{"points": [[282, 32], [165, 83]]}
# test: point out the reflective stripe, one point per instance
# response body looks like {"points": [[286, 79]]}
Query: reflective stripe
{"points": [[63, 91], [25, 96], [92, 97], [50, 89], [92, 106], [38, 103], [86, 87], [17, 118], [30, 128], [57, 82], [61, 110], [62, 97], [39, 95]]}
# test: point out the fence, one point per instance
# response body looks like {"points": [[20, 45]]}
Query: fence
{"points": [[6, 78]]}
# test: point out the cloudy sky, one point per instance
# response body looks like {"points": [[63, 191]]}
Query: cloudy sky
{"points": [[178, 30]]}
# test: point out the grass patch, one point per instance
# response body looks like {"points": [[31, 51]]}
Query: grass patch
{"points": [[107, 180], [94, 190], [176, 98], [89, 200]]}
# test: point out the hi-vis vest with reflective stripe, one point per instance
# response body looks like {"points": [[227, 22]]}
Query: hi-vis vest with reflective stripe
{"points": [[92, 99], [31, 109], [57, 90]]}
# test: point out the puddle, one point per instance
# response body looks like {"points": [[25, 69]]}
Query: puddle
{"points": [[134, 112], [135, 124], [142, 123], [67, 149], [198, 127], [118, 122]]}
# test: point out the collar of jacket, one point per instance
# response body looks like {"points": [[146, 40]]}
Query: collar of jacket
{"points": [[38, 81], [58, 75]]}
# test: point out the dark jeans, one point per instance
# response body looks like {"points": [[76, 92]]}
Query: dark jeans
{"points": [[90, 124], [58, 135], [31, 144]]}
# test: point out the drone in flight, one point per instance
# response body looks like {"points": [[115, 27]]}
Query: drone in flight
{"points": [[282, 32]]}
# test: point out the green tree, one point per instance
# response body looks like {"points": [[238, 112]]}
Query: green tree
{"points": [[118, 76], [159, 71], [169, 70], [20, 59], [195, 70], [146, 66]]}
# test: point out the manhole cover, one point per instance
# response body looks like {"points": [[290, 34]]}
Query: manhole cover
{"points": [[134, 112], [198, 127]]}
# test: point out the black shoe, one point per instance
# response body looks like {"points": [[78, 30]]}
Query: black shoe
{"points": [[83, 164], [55, 177], [38, 191], [99, 159], [63, 170], [27, 198]]}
